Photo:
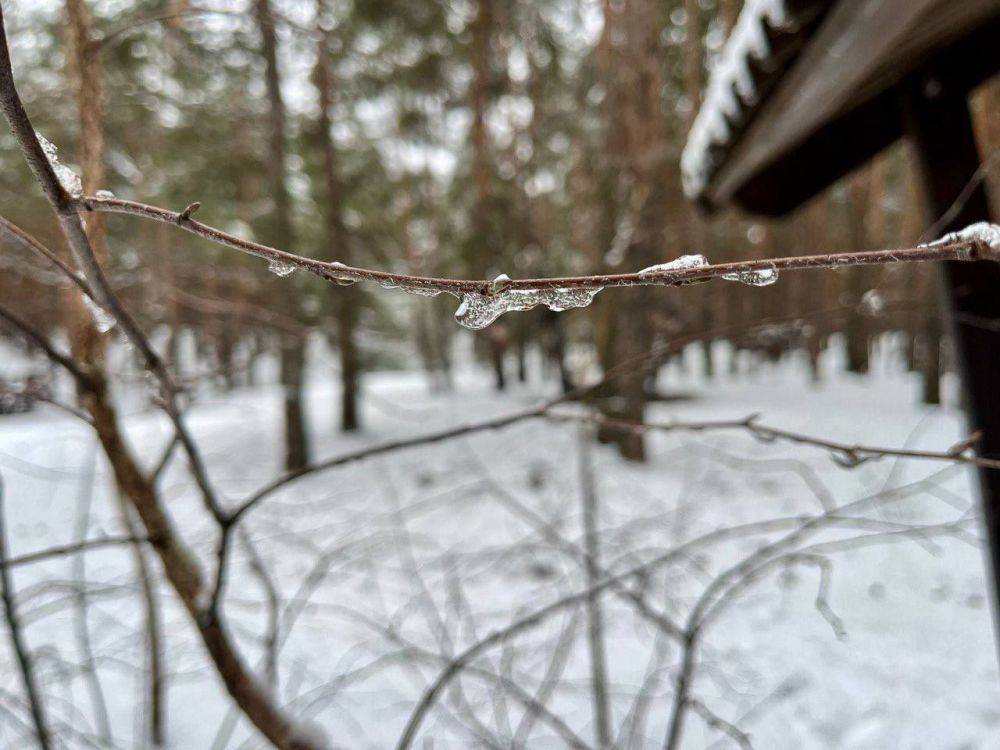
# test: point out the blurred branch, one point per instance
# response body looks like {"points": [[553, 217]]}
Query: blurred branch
{"points": [[37, 338], [847, 455], [69, 549], [383, 448], [24, 660], [28, 241], [137, 23], [595, 614], [715, 722]]}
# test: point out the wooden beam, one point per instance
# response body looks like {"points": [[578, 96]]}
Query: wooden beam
{"points": [[938, 119], [851, 139], [862, 49]]}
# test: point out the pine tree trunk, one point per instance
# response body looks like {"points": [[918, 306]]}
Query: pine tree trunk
{"points": [[347, 300], [279, 232]]}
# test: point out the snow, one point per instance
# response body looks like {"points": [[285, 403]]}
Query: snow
{"points": [[103, 320], [981, 231], [69, 179], [730, 88], [376, 541]]}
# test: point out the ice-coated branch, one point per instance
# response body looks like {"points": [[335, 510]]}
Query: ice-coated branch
{"points": [[65, 207], [485, 300]]}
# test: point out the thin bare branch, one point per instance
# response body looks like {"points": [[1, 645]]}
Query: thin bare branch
{"points": [[495, 423], [37, 338], [716, 722], [71, 549], [848, 455], [31, 243], [24, 660], [339, 273]]}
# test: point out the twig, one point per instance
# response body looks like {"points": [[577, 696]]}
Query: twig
{"points": [[339, 273], [82, 620], [495, 423], [595, 616], [37, 338], [24, 659], [70, 549], [273, 604], [164, 461], [848, 455], [65, 208], [716, 722], [28, 241]]}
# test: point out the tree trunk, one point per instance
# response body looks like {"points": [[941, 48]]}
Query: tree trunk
{"points": [[279, 233], [636, 149], [348, 300]]}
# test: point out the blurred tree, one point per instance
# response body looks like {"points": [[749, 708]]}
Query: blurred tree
{"points": [[278, 232]]}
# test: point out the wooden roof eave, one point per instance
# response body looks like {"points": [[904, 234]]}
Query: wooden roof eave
{"points": [[830, 113]]}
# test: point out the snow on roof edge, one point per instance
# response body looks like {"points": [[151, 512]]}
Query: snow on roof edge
{"points": [[730, 87]]}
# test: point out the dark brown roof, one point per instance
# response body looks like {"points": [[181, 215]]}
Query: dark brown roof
{"points": [[808, 89]]}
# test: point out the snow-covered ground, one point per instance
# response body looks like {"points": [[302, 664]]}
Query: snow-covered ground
{"points": [[423, 547]]}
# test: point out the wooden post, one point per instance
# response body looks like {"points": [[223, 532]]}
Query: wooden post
{"points": [[939, 122]]}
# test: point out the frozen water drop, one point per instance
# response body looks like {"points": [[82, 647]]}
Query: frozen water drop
{"points": [[69, 179], [500, 283], [754, 277], [279, 268], [682, 263], [103, 320], [420, 291], [104, 195], [479, 310], [342, 280]]}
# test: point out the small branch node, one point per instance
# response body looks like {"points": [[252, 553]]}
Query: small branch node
{"points": [[185, 215]]}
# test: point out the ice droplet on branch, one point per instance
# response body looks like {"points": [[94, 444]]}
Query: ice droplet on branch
{"points": [[103, 320], [981, 231], [343, 280], [420, 290], [479, 310], [69, 179], [754, 277], [278, 268], [682, 263], [104, 195]]}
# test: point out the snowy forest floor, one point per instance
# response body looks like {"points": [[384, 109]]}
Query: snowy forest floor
{"points": [[419, 551]]}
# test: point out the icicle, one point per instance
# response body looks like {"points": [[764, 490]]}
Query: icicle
{"points": [[279, 268], [479, 310], [69, 179], [755, 277], [103, 320], [682, 263], [104, 195]]}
